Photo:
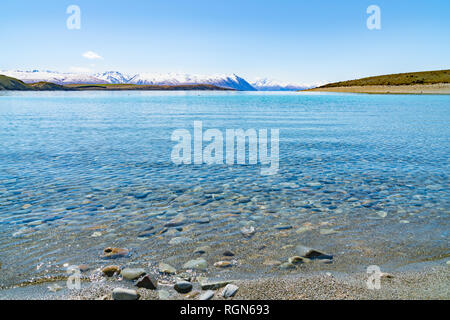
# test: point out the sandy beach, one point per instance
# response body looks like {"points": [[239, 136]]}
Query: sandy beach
{"points": [[441, 88], [431, 282]]}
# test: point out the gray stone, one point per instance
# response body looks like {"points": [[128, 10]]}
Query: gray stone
{"points": [[132, 273], [163, 294], [212, 285], [166, 268], [208, 295], [197, 264], [202, 220], [229, 290], [124, 294]]}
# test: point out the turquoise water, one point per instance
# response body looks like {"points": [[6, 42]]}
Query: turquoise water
{"points": [[364, 177]]}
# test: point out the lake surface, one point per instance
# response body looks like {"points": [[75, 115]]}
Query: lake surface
{"points": [[362, 177]]}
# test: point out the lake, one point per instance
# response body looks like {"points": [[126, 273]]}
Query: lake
{"points": [[364, 178]]}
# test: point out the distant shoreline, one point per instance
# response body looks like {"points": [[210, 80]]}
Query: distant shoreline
{"points": [[440, 88]]}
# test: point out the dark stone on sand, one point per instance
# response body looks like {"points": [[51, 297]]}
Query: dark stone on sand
{"points": [[146, 282], [228, 253], [311, 253], [183, 286]]}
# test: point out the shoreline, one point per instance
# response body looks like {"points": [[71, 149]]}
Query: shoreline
{"points": [[441, 88], [425, 282]]}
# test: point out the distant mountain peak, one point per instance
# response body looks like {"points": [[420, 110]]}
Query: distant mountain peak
{"points": [[266, 84]]}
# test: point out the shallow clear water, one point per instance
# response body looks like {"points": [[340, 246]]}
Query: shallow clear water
{"points": [[364, 177]]}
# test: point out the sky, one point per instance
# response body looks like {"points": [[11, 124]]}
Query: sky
{"points": [[298, 41]]}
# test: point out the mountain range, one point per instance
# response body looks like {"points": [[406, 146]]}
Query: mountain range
{"points": [[232, 81]]}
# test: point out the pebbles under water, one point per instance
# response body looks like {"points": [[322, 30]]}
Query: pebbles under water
{"points": [[363, 178]]}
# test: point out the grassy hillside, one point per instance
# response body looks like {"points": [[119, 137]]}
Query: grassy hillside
{"points": [[7, 83], [112, 87], [412, 78], [47, 86]]}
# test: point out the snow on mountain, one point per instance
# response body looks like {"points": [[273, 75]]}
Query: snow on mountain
{"points": [[225, 81], [52, 76], [264, 84], [113, 77]]}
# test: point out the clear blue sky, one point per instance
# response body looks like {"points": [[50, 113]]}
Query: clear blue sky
{"points": [[297, 40]]}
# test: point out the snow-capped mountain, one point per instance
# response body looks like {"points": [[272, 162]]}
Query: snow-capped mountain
{"points": [[52, 76], [264, 84], [113, 77], [225, 81]]}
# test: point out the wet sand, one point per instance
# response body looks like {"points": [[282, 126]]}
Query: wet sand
{"points": [[442, 88]]}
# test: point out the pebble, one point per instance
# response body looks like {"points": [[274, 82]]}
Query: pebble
{"points": [[223, 264], [183, 286], [208, 295], [311, 253], [303, 229], [26, 206], [229, 290], [179, 240], [228, 253], [382, 214], [202, 220], [202, 250], [166, 268], [185, 276], [163, 294], [113, 253], [124, 294], [212, 285], [141, 195], [199, 264], [296, 260], [81, 267], [327, 231], [248, 231], [283, 227], [109, 271], [132, 273], [175, 222], [146, 282]]}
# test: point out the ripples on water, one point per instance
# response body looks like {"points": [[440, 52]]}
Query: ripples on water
{"points": [[361, 176]]}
